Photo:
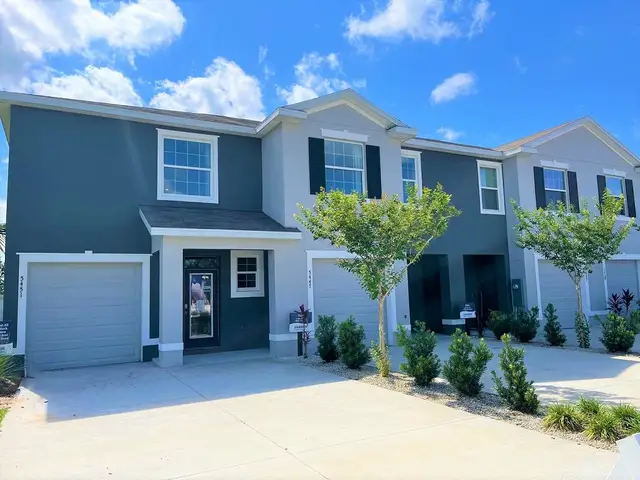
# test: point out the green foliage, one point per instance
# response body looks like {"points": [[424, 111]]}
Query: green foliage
{"points": [[422, 364], [499, 323], [589, 407], [467, 363], [351, 347], [383, 362], [515, 391], [634, 321], [617, 335], [633, 428], [627, 415], [526, 324], [583, 333], [9, 368], [326, 334], [603, 426], [563, 416], [552, 328], [3, 413], [573, 241], [382, 235]]}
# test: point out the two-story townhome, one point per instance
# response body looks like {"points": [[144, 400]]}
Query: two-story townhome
{"points": [[576, 160], [137, 234]]}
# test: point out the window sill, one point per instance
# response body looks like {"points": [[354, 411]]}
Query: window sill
{"points": [[491, 212], [187, 198], [247, 293]]}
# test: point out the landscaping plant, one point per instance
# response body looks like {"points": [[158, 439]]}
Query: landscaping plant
{"points": [[617, 334], [421, 363], [583, 333], [634, 321], [305, 335], [552, 328], [381, 357], [589, 407], [574, 241], [464, 369], [326, 334], [627, 300], [385, 237], [615, 304], [627, 415], [351, 348], [9, 370], [563, 416], [499, 323], [515, 391], [603, 426], [526, 324]]}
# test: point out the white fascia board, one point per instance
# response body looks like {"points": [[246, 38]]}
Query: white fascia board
{"points": [[276, 117], [402, 133], [458, 149], [519, 150], [215, 233]]}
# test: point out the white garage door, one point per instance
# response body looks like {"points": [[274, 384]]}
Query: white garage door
{"points": [[556, 287], [337, 292], [622, 274], [82, 314]]}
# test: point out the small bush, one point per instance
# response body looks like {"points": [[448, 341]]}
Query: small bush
{"points": [[9, 368], [634, 321], [582, 330], [633, 428], [552, 328], [628, 415], [383, 362], [617, 335], [499, 323], [526, 324], [467, 363], [563, 416], [351, 347], [516, 391], [589, 407], [603, 426], [422, 364], [326, 334]]}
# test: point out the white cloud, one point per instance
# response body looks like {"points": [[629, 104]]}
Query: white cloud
{"points": [[3, 210], [262, 53], [33, 30], [519, 65], [224, 89], [430, 20], [453, 87], [317, 75], [482, 15], [449, 134], [100, 84]]}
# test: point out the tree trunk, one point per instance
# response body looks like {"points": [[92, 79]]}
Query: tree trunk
{"points": [[381, 334], [579, 295]]}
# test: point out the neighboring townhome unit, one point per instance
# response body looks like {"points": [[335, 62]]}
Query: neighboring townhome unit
{"points": [[138, 234], [575, 160]]}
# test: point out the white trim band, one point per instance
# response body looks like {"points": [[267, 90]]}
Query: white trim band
{"points": [[170, 347], [344, 135], [614, 173], [282, 337], [554, 164]]}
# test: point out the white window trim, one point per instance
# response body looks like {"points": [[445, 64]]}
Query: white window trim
{"points": [[194, 137], [344, 135], [553, 164], [418, 159], [364, 162], [566, 184], [500, 189], [612, 172], [247, 292], [624, 191]]}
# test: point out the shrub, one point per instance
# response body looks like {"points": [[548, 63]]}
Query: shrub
{"points": [[422, 364], [634, 321], [383, 361], [351, 347], [516, 391], [627, 300], [526, 324], [9, 369], [563, 416], [628, 416], [499, 323], [603, 426], [552, 328], [467, 363], [615, 303], [326, 334], [617, 335], [582, 330], [589, 407], [633, 428]]}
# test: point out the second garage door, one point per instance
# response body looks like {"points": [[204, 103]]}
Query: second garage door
{"points": [[557, 288], [622, 274], [82, 314], [337, 292]]}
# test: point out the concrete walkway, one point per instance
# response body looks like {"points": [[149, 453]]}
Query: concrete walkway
{"points": [[259, 419], [563, 374]]}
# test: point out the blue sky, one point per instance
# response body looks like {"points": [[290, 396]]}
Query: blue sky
{"points": [[473, 71]]}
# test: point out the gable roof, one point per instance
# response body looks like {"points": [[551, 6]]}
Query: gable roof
{"points": [[529, 138]]}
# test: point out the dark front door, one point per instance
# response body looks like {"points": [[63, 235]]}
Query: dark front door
{"points": [[201, 304]]}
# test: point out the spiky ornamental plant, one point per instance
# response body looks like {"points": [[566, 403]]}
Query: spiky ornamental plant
{"points": [[573, 241], [385, 237], [552, 328]]}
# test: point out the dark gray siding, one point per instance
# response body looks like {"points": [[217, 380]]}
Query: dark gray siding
{"points": [[76, 182]]}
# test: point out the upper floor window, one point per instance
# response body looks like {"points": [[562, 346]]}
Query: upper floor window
{"points": [[490, 183], [187, 166], [410, 173], [344, 166], [555, 186], [616, 186]]}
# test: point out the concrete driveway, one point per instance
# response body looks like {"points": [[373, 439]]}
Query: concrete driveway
{"points": [[259, 419], [563, 374]]}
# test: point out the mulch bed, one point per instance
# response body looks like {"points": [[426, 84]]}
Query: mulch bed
{"points": [[8, 389]]}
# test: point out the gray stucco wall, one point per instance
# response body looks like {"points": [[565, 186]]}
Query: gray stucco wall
{"points": [[76, 182]]}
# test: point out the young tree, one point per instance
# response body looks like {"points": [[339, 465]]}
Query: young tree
{"points": [[573, 241], [385, 236]]}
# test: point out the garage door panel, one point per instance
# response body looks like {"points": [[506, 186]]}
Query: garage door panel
{"points": [[337, 292], [557, 288], [622, 274], [83, 314]]}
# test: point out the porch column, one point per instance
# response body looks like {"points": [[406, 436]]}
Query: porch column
{"points": [[287, 290], [170, 347]]}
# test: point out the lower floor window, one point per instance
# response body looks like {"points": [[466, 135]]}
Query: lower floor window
{"points": [[247, 275]]}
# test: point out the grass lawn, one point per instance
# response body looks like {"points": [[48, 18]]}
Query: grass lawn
{"points": [[3, 412]]}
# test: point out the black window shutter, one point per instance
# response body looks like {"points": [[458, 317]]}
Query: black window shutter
{"points": [[630, 198], [374, 179], [574, 198], [316, 165], [602, 184], [538, 181]]}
